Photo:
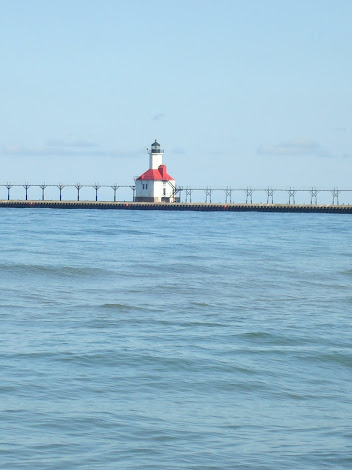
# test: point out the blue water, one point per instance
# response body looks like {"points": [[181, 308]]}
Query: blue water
{"points": [[156, 340]]}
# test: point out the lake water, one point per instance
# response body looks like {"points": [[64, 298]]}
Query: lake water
{"points": [[156, 340]]}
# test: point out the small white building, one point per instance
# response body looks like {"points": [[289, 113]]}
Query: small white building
{"points": [[155, 185]]}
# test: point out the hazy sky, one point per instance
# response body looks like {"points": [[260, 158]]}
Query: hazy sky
{"points": [[250, 92]]}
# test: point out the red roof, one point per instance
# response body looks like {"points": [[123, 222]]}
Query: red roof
{"points": [[156, 175]]}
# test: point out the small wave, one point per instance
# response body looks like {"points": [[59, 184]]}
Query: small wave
{"points": [[337, 358], [270, 338], [45, 270], [200, 304], [120, 307], [347, 272]]}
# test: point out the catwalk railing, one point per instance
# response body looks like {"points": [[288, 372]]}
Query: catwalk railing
{"points": [[229, 194], [269, 192], [60, 187]]}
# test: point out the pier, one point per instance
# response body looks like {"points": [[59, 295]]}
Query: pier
{"points": [[228, 195], [204, 199], [180, 206]]}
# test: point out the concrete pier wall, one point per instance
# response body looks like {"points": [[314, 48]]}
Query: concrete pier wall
{"points": [[184, 206]]}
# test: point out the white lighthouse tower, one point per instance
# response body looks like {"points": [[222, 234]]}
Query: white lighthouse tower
{"points": [[155, 185]]}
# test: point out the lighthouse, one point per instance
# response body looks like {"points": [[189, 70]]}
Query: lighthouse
{"points": [[155, 185]]}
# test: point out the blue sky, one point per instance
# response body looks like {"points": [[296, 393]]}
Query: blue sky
{"points": [[238, 93]]}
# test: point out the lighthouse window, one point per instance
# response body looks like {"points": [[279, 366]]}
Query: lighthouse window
{"points": [[164, 191], [146, 186], [143, 186]]}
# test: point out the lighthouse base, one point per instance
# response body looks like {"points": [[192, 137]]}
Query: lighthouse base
{"points": [[156, 199]]}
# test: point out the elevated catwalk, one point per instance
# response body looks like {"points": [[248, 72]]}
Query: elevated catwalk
{"points": [[183, 206]]}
